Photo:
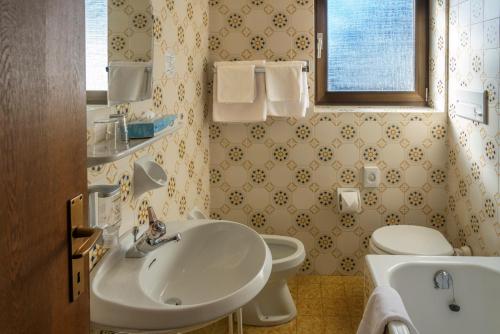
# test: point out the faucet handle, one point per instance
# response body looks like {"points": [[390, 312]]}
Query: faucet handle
{"points": [[156, 230], [151, 215]]}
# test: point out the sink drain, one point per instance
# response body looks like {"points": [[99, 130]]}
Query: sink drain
{"points": [[173, 301]]}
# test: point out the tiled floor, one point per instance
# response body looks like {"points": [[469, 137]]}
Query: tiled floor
{"points": [[325, 305]]}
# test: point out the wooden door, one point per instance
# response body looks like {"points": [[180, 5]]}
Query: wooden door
{"points": [[42, 162]]}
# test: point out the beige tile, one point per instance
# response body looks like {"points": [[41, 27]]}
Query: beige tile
{"points": [[310, 325], [332, 280], [288, 328], [338, 325], [311, 306], [308, 279], [333, 291], [335, 307], [355, 280], [214, 328], [354, 291], [308, 291], [355, 322], [293, 281]]}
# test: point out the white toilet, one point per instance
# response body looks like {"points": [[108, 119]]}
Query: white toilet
{"points": [[274, 304], [409, 240]]}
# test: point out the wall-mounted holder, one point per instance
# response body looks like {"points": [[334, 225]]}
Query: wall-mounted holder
{"points": [[349, 200], [472, 105], [148, 175], [100, 153]]}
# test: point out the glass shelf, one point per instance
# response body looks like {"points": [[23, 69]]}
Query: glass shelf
{"points": [[101, 153]]}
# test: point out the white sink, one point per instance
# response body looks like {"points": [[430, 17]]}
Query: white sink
{"points": [[216, 268]]}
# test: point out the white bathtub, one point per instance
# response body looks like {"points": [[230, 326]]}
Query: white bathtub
{"points": [[477, 292]]}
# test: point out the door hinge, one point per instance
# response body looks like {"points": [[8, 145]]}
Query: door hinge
{"points": [[427, 95]]}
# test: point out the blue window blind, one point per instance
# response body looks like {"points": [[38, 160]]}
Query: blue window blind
{"points": [[371, 45], [96, 44]]}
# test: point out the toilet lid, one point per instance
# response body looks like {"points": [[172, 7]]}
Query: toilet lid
{"points": [[411, 240]]}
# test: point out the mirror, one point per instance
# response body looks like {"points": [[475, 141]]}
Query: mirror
{"points": [[119, 51]]}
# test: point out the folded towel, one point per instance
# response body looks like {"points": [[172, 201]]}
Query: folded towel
{"points": [[283, 81], [129, 82], [236, 81], [297, 109], [383, 306], [242, 112]]}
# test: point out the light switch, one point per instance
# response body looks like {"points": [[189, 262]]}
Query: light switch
{"points": [[371, 176], [170, 69]]}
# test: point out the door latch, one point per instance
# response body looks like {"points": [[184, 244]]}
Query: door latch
{"points": [[81, 241], [319, 45]]}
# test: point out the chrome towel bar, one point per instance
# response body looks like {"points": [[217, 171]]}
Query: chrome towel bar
{"points": [[305, 68]]}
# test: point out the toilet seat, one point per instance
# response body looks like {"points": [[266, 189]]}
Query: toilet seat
{"points": [[410, 240], [286, 252], [374, 250]]}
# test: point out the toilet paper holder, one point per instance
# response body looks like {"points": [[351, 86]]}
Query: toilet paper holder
{"points": [[356, 207]]}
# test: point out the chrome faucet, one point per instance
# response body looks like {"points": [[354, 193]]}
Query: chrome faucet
{"points": [[153, 238], [443, 280]]}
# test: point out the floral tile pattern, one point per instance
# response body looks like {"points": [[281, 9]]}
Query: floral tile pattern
{"points": [[129, 29], [474, 157], [281, 176], [179, 28]]}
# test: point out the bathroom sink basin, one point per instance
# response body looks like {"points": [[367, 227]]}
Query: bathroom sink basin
{"points": [[216, 268]]}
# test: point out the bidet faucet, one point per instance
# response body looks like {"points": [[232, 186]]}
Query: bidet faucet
{"points": [[153, 238], [443, 280]]}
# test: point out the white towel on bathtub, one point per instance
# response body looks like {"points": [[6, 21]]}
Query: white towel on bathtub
{"points": [[383, 306]]}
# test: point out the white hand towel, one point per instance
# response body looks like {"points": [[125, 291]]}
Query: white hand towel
{"points": [[283, 81], [297, 109], [235, 82], [383, 306], [242, 112], [129, 81]]}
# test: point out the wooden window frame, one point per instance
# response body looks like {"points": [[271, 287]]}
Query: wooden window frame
{"points": [[415, 98]]}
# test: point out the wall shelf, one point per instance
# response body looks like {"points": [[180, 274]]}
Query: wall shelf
{"points": [[101, 153]]}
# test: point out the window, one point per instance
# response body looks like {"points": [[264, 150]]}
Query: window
{"points": [[372, 52], [96, 50]]}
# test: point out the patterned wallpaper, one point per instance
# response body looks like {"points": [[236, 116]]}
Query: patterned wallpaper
{"points": [[129, 30], [281, 176], [179, 28], [474, 157]]}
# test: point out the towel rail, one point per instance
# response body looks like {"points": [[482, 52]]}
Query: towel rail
{"points": [[305, 68], [147, 68]]}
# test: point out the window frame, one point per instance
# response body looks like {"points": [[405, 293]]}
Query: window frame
{"points": [[415, 98]]}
